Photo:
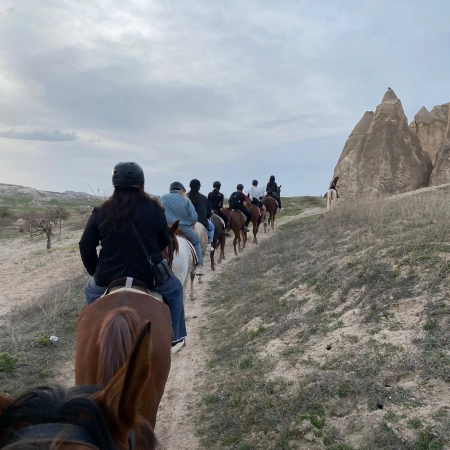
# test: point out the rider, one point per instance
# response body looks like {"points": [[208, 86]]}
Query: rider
{"points": [[272, 190], [215, 198], [255, 194], [203, 209], [121, 255], [238, 201], [334, 186], [178, 207]]}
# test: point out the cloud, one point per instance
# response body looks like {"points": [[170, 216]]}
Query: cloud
{"points": [[36, 133]]}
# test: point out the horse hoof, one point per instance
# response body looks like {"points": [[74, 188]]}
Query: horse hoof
{"points": [[213, 269], [219, 261]]}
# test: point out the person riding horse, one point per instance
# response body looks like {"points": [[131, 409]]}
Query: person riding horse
{"points": [[238, 201], [203, 209], [127, 218], [255, 194], [334, 185], [272, 190], [216, 198], [178, 207]]}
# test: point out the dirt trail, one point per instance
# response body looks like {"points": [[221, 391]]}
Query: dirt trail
{"points": [[176, 427]]}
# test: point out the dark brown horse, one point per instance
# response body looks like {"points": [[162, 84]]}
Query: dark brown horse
{"points": [[107, 330], [256, 219], [218, 240], [84, 417], [237, 224]]}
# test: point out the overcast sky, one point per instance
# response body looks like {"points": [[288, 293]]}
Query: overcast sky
{"points": [[225, 90]]}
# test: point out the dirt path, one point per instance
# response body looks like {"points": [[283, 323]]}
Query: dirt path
{"points": [[176, 427]]}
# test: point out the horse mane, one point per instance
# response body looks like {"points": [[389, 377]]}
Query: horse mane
{"points": [[118, 334], [56, 404]]}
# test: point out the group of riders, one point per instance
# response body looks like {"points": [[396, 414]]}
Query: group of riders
{"points": [[132, 229]]}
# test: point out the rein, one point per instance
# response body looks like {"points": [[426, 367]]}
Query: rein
{"points": [[62, 432]]}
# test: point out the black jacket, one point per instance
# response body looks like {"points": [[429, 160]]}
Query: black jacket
{"points": [[120, 253], [201, 205], [272, 187], [215, 200]]}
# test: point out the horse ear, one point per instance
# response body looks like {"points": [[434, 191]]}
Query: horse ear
{"points": [[4, 402], [174, 226], [120, 397]]}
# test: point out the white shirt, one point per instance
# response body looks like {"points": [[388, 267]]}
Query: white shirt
{"points": [[256, 191]]}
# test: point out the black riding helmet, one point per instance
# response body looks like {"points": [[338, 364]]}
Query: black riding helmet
{"points": [[195, 184], [272, 177], [239, 187], [176, 186], [216, 185], [127, 175], [255, 182]]}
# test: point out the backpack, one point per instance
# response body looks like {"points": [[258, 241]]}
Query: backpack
{"points": [[234, 200]]}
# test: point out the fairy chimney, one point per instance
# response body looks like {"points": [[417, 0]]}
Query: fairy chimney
{"points": [[441, 170], [386, 159], [430, 128]]}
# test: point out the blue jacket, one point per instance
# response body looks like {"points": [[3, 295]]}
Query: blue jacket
{"points": [[178, 207]]}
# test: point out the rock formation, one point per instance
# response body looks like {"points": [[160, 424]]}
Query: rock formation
{"points": [[386, 159], [430, 127], [441, 170]]}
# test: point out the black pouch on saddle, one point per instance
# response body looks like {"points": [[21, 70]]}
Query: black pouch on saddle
{"points": [[161, 271]]}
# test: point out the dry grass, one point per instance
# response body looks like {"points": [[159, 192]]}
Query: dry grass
{"points": [[351, 346], [29, 357]]}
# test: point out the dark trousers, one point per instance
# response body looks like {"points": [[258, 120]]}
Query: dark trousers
{"points": [[246, 213], [277, 199]]}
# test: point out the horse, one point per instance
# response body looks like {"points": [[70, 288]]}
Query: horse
{"points": [[271, 208], [106, 331], [237, 223], [331, 198], [218, 240], [256, 219], [202, 234], [84, 417]]}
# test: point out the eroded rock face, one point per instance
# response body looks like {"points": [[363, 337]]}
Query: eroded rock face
{"points": [[441, 170], [387, 159], [430, 127]]}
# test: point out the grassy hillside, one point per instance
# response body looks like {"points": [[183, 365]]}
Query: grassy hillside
{"points": [[335, 334]]}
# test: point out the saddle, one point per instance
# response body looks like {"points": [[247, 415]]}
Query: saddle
{"points": [[240, 212], [130, 284]]}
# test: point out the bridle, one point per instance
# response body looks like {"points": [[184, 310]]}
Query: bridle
{"points": [[62, 432]]}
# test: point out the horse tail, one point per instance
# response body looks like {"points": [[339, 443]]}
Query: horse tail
{"points": [[329, 198], [117, 337]]}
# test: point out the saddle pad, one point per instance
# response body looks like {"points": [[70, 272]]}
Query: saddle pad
{"points": [[136, 291]]}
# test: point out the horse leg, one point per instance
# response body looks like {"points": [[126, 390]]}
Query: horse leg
{"points": [[234, 244], [191, 293], [255, 232], [212, 260]]}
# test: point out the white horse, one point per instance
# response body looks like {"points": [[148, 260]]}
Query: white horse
{"points": [[185, 260], [183, 264], [331, 198]]}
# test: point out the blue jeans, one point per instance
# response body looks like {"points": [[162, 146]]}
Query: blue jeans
{"points": [[172, 292], [210, 231], [192, 237]]}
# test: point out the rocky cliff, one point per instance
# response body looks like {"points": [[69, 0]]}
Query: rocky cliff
{"points": [[385, 159], [430, 127], [441, 170]]}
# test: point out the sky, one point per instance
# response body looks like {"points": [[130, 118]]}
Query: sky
{"points": [[230, 90]]}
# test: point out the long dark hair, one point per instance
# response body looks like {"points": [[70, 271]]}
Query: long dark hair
{"points": [[120, 209]]}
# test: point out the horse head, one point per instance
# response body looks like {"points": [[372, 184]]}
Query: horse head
{"points": [[83, 417]]}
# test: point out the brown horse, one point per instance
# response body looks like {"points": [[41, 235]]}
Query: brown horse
{"points": [[256, 219], [107, 330], [271, 207], [218, 240], [237, 224], [84, 417]]}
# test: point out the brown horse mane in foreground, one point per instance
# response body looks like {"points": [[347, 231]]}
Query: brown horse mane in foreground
{"points": [[106, 332], [103, 418]]}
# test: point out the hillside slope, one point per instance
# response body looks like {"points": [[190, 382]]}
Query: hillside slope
{"points": [[336, 334]]}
